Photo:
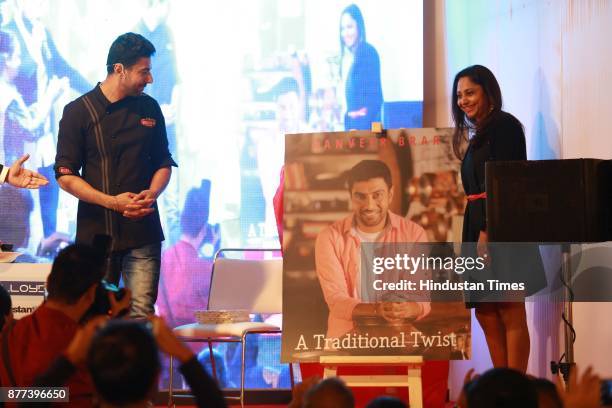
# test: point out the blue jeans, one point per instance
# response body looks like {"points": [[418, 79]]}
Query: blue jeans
{"points": [[139, 268]]}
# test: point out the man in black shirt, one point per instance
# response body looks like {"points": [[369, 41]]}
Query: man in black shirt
{"points": [[112, 154]]}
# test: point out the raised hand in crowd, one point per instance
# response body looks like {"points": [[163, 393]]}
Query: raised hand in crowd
{"points": [[168, 342], [78, 348], [204, 388], [581, 391], [120, 308], [467, 379]]}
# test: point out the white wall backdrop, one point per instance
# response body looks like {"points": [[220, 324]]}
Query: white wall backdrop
{"points": [[553, 60]]}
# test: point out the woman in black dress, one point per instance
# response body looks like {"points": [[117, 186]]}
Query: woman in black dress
{"points": [[484, 132]]}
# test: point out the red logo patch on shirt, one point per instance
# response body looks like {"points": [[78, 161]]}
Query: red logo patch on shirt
{"points": [[64, 170], [148, 122]]}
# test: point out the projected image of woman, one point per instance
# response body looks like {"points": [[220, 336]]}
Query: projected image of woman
{"points": [[359, 73], [492, 134]]}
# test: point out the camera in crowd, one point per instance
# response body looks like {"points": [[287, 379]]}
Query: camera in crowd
{"points": [[101, 304]]}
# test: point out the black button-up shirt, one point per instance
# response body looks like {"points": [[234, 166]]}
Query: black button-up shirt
{"points": [[116, 148]]}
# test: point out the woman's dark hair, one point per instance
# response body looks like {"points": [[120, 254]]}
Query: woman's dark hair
{"points": [[482, 76], [355, 13]]}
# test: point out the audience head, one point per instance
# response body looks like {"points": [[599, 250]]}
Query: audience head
{"points": [[386, 402], [502, 388], [329, 393], [124, 363], [548, 397], [75, 275], [6, 307]]}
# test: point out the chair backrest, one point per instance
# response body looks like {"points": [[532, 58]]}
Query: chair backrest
{"points": [[255, 285]]}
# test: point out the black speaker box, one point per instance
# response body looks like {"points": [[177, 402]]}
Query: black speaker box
{"points": [[549, 200]]}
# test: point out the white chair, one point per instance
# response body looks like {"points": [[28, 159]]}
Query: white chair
{"points": [[237, 284]]}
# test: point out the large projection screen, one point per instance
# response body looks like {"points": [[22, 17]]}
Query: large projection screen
{"points": [[231, 77]]}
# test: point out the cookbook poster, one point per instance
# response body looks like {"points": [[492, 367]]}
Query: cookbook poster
{"points": [[327, 310]]}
